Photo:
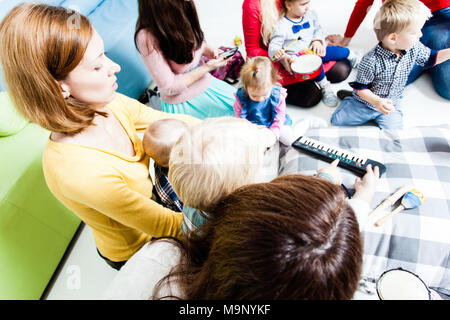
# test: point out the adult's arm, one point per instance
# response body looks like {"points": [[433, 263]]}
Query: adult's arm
{"points": [[356, 18], [160, 70], [251, 25], [360, 11], [131, 208], [141, 115]]}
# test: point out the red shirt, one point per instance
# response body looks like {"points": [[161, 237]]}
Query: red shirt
{"points": [[362, 6], [254, 46]]}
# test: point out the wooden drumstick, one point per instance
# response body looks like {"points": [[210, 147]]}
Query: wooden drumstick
{"points": [[388, 216], [284, 49], [389, 201], [412, 199]]}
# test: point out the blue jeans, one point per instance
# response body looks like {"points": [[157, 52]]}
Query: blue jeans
{"points": [[436, 35], [352, 112], [333, 53]]}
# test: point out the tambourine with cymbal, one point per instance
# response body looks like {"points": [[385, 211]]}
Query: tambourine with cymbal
{"points": [[400, 284], [307, 64]]}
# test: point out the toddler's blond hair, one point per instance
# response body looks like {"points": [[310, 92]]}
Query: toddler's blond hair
{"points": [[258, 72], [396, 15], [159, 138], [213, 158]]}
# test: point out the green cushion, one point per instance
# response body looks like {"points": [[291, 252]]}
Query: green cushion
{"points": [[35, 228], [11, 121], [18, 152]]}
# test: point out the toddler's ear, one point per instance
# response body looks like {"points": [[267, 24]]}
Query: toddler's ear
{"points": [[392, 37]]}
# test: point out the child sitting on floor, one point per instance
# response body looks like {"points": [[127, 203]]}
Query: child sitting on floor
{"points": [[298, 30], [159, 138], [261, 100], [384, 70]]}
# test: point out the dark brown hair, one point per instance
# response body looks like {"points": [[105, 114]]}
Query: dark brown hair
{"points": [[175, 26], [293, 238]]}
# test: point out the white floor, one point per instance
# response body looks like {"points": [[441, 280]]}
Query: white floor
{"points": [[84, 275]]}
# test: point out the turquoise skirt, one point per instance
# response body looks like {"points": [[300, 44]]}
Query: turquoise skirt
{"points": [[216, 101]]}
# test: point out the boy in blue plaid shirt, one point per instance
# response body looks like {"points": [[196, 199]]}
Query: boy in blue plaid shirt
{"points": [[384, 70]]}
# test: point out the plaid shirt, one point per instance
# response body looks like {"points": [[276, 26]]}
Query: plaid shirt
{"points": [[386, 74], [192, 219], [164, 190]]}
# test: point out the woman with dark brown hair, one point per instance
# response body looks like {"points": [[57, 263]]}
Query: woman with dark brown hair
{"points": [[297, 237], [171, 43]]}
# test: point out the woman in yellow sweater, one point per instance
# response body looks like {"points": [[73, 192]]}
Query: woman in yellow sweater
{"points": [[94, 163]]}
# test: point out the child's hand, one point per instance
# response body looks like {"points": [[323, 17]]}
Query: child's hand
{"points": [[286, 63], [333, 170], [279, 54], [318, 48], [365, 187], [385, 106]]}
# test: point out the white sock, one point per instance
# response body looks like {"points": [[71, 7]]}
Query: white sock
{"points": [[352, 55], [323, 83]]}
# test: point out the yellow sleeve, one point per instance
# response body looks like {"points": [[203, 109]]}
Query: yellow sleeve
{"points": [[109, 194], [142, 115]]}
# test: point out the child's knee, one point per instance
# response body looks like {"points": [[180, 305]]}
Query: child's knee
{"points": [[441, 82], [392, 122], [337, 118]]}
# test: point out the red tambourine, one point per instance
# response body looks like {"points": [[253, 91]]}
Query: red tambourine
{"points": [[307, 65]]}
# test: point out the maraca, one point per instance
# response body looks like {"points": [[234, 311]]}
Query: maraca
{"points": [[412, 199], [237, 41]]}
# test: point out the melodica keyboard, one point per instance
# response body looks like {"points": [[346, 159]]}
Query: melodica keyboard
{"points": [[347, 160]]}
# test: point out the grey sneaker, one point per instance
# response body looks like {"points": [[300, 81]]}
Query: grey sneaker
{"points": [[328, 97], [355, 60]]}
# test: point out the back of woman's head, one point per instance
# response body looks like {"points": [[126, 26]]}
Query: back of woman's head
{"points": [[174, 25], [40, 45], [293, 238]]}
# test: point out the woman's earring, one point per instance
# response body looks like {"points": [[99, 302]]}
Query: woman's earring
{"points": [[65, 91]]}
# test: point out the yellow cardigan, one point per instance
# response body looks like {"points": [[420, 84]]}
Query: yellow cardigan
{"points": [[112, 192]]}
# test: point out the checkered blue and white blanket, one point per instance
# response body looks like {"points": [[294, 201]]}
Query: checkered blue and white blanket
{"points": [[418, 239]]}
